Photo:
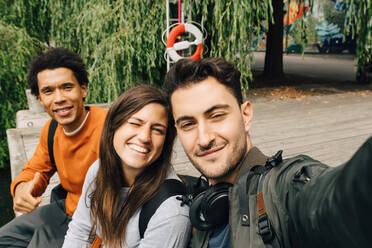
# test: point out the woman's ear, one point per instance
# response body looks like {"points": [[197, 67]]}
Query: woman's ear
{"points": [[247, 114]]}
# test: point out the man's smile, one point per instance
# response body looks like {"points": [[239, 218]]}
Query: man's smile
{"points": [[63, 111], [212, 151]]}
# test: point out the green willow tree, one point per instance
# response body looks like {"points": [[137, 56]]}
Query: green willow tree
{"points": [[119, 40], [16, 50], [359, 21], [33, 16], [231, 26]]}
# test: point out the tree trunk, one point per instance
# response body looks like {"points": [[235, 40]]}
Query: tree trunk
{"points": [[274, 44]]}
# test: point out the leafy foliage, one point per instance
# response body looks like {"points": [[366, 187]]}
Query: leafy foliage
{"points": [[304, 30], [231, 26], [16, 50], [359, 21], [33, 16], [119, 40], [333, 15]]}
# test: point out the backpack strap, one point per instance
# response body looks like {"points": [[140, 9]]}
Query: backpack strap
{"points": [[52, 130], [170, 187], [243, 187], [243, 199], [58, 192], [265, 229]]}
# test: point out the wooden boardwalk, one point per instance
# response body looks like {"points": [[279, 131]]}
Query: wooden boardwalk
{"points": [[328, 128]]}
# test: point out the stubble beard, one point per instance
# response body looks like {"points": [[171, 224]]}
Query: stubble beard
{"points": [[229, 166]]}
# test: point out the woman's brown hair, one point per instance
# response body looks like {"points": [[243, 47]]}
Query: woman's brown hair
{"points": [[105, 208]]}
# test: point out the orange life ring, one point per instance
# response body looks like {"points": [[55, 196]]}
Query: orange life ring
{"points": [[173, 47]]}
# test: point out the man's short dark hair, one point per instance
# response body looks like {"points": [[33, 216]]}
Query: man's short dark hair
{"points": [[187, 71], [56, 58]]}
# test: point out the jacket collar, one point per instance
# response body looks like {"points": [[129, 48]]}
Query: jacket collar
{"points": [[253, 157]]}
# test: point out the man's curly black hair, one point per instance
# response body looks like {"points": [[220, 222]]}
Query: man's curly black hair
{"points": [[56, 58]]}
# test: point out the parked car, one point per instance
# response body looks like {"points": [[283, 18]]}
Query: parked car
{"points": [[295, 48]]}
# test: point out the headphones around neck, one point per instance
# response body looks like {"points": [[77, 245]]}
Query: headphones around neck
{"points": [[209, 205]]}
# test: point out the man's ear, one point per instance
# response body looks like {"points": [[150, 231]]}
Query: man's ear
{"points": [[247, 113], [40, 101], [84, 90]]}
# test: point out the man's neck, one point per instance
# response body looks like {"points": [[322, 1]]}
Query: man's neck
{"points": [[230, 178]]}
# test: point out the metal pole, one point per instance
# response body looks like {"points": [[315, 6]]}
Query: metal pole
{"points": [[167, 14], [182, 13]]}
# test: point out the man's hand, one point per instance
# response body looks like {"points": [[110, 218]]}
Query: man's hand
{"points": [[24, 201]]}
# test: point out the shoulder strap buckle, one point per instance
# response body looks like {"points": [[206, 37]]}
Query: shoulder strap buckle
{"points": [[274, 160], [264, 228]]}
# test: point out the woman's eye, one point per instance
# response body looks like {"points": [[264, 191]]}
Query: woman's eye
{"points": [[159, 131], [134, 124]]}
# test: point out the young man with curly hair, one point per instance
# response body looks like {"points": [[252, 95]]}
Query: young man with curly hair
{"points": [[59, 80]]}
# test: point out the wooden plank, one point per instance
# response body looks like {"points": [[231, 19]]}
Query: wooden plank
{"points": [[20, 153], [28, 119], [17, 153]]}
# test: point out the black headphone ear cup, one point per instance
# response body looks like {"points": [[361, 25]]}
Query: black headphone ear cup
{"points": [[215, 204], [196, 216]]}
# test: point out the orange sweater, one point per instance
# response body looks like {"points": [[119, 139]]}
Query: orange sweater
{"points": [[73, 156]]}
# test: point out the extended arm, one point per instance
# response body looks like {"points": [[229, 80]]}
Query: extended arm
{"points": [[334, 209]]}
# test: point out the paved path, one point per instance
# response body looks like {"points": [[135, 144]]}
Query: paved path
{"points": [[334, 67], [328, 128]]}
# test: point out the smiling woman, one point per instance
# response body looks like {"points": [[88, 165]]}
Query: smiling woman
{"points": [[135, 151], [139, 141]]}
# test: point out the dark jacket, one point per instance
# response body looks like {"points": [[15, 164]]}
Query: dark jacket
{"points": [[308, 203]]}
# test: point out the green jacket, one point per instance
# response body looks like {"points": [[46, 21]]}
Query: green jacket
{"points": [[308, 203]]}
